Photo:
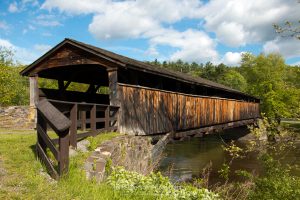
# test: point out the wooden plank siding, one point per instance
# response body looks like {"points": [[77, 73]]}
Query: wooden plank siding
{"points": [[146, 111]]}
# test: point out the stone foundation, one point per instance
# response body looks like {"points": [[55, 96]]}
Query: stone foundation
{"points": [[17, 117], [134, 153]]}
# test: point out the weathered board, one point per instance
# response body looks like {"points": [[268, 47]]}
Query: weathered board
{"points": [[146, 111]]}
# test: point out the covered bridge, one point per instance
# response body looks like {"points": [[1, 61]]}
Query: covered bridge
{"points": [[140, 99], [152, 100]]}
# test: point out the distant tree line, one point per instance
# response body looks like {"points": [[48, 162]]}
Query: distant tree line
{"points": [[264, 76]]}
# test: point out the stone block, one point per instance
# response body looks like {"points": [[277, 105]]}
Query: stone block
{"points": [[100, 165], [91, 159]]}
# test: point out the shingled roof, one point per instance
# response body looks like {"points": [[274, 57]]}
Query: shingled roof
{"points": [[124, 61]]}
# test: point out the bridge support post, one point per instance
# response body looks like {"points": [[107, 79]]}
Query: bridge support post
{"points": [[33, 97], [114, 99]]}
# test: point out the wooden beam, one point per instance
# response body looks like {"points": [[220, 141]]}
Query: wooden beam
{"points": [[93, 120], [113, 87], [63, 163], [73, 128], [34, 91]]}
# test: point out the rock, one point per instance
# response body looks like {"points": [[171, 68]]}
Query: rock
{"points": [[105, 154], [132, 152], [83, 146], [100, 165], [88, 166], [72, 152]]}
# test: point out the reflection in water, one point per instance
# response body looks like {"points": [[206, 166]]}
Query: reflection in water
{"points": [[185, 160]]}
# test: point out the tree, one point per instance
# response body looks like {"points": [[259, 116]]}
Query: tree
{"points": [[13, 88], [266, 78], [234, 79]]}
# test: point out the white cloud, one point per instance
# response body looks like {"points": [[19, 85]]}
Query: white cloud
{"points": [[13, 7], [232, 58], [22, 55], [296, 64], [152, 51], [3, 25], [123, 19], [47, 34], [6, 43], [145, 19], [235, 23], [42, 48], [288, 47], [193, 45], [241, 22], [47, 20]]}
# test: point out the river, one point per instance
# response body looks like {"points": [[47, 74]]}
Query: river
{"points": [[185, 160]]}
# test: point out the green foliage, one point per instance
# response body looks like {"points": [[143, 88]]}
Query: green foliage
{"points": [[266, 76], [224, 171], [277, 183], [155, 184], [234, 79], [13, 88], [97, 140], [22, 175]]}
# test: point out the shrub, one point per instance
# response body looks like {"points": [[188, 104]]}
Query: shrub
{"points": [[277, 183], [155, 184]]}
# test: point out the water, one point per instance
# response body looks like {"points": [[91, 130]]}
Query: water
{"points": [[185, 160]]}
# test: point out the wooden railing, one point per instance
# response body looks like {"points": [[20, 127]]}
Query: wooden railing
{"points": [[63, 118], [102, 118], [47, 114]]}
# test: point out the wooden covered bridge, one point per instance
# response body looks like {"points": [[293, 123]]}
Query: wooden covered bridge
{"points": [[138, 99]]}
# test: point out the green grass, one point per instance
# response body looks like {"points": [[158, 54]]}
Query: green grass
{"points": [[23, 178]]}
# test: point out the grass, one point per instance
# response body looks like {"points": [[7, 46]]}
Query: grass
{"points": [[22, 178]]}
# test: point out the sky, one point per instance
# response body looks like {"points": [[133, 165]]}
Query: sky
{"points": [[218, 31]]}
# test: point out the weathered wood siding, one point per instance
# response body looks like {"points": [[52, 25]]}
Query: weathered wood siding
{"points": [[151, 111]]}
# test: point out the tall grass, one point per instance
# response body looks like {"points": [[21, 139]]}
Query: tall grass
{"points": [[24, 177]]}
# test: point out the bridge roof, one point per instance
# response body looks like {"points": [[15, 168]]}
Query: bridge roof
{"points": [[126, 62]]}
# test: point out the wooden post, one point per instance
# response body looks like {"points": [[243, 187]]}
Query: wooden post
{"points": [[73, 128], [113, 87], [43, 125], [114, 93], [63, 163], [107, 118], [33, 92], [34, 97], [83, 120], [93, 120]]}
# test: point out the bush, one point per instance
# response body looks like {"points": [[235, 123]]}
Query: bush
{"points": [[277, 183], [155, 184]]}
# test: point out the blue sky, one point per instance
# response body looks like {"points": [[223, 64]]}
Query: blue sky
{"points": [[191, 30]]}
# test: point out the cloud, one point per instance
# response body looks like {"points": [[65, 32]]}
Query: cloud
{"points": [[42, 48], [13, 7], [145, 19], [286, 46], [296, 64], [232, 58], [24, 55], [235, 23], [192, 45], [6, 43], [240, 22], [47, 20], [3, 25], [127, 19]]}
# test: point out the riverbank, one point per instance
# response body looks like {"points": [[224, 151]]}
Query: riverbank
{"points": [[24, 177]]}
